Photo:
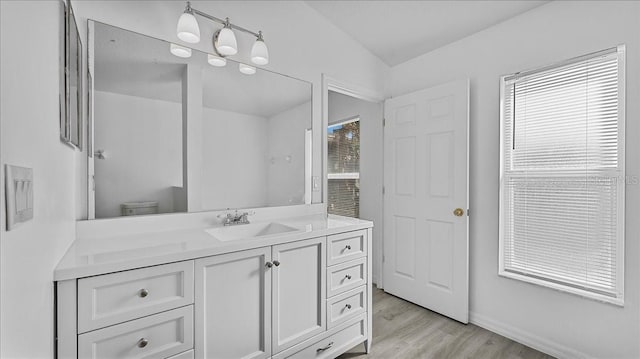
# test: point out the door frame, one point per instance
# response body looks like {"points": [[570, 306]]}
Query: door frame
{"points": [[362, 93]]}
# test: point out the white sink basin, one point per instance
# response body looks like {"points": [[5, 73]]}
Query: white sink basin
{"points": [[247, 231]]}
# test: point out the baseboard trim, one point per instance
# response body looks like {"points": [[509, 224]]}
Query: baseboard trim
{"points": [[541, 344]]}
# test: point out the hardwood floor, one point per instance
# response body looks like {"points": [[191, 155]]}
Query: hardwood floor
{"points": [[405, 330]]}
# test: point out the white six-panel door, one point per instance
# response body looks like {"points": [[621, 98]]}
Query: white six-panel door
{"points": [[426, 257]]}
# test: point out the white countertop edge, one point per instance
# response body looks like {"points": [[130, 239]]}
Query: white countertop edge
{"points": [[87, 270]]}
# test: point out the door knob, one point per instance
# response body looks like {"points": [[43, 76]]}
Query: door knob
{"points": [[458, 212]]}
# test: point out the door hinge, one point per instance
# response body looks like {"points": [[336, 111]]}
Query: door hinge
{"points": [[383, 258], [383, 190], [384, 122], [467, 212]]}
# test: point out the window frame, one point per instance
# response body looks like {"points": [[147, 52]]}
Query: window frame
{"points": [[619, 173]]}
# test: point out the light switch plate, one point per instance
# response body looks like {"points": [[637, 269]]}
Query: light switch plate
{"points": [[316, 184], [18, 195]]}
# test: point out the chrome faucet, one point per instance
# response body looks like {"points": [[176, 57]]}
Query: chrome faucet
{"points": [[229, 219]]}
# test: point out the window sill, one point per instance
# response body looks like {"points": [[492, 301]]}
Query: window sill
{"points": [[617, 301]]}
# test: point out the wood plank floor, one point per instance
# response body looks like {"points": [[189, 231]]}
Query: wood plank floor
{"points": [[405, 330]]}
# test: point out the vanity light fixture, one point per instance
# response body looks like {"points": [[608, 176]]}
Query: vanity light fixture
{"points": [[246, 69], [224, 40], [180, 51], [259, 51], [188, 29], [216, 61]]}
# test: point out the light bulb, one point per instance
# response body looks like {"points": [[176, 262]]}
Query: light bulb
{"points": [[216, 61], [259, 51], [180, 51], [188, 29], [225, 42], [246, 69]]}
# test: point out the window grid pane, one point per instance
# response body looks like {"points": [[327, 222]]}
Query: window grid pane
{"points": [[562, 178]]}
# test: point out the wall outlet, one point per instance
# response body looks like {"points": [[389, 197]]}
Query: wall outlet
{"points": [[18, 195]]}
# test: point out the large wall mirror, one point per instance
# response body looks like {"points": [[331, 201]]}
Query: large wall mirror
{"points": [[176, 134]]}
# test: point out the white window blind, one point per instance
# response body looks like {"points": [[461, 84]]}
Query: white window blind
{"points": [[562, 176], [344, 168]]}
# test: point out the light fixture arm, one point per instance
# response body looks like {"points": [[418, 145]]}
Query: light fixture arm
{"points": [[225, 22]]}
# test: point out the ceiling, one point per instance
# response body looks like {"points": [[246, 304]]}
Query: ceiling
{"points": [[397, 31], [136, 65]]}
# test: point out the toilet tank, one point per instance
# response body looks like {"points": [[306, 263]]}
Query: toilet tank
{"points": [[139, 208]]}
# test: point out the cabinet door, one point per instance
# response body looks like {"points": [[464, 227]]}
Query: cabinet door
{"points": [[298, 292], [233, 305]]}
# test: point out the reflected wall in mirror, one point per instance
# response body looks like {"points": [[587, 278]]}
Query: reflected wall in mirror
{"points": [[176, 134]]}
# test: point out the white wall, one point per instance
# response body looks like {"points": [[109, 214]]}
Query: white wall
{"points": [[30, 137], [287, 138], [142, 139], [560, 323], [234, 165], [289, 26], [342, 107]]}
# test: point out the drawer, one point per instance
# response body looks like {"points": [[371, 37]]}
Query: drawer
{"points": [[346, 276], [344, 247], [114, 298], [157, 336], [186, 355], [339, 341], [345, 306]]}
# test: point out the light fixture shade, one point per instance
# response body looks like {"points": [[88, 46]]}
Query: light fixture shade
{"points": [[259, 53], [216, 61], [188, 29], [246, 69], [180, 51], [226, 43]]}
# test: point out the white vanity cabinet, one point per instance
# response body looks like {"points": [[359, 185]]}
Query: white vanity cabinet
{"points": [[296, 298], [253, 303]]}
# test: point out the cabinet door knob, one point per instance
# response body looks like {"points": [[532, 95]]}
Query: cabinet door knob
{"points": [[348, 247], [143, 293], [276, 263], [269, 264], [348, 276], [348, 306], [142, 343], [324, 348]]}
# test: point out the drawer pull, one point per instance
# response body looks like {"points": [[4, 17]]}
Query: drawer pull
{"points": [[276, 263], [348, 246], [143, 293], [269, 264], [348, 306], [325, 348], [142, 343], [348, 276]]}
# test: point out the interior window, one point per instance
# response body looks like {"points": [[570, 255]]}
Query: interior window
{"points": [[562, 176], [344, 168]]}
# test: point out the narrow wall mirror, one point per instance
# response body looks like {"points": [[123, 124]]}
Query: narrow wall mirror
{"points": [[178, 134], [70, 80]]}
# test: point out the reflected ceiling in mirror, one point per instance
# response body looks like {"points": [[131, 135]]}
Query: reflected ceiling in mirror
{"points": [[176, 134]]}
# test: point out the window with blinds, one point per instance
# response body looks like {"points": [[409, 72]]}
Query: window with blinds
{"points": [[343, 169], [562, 176]]}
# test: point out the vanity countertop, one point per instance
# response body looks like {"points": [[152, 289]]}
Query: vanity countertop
{"points": [[106, 254]]}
